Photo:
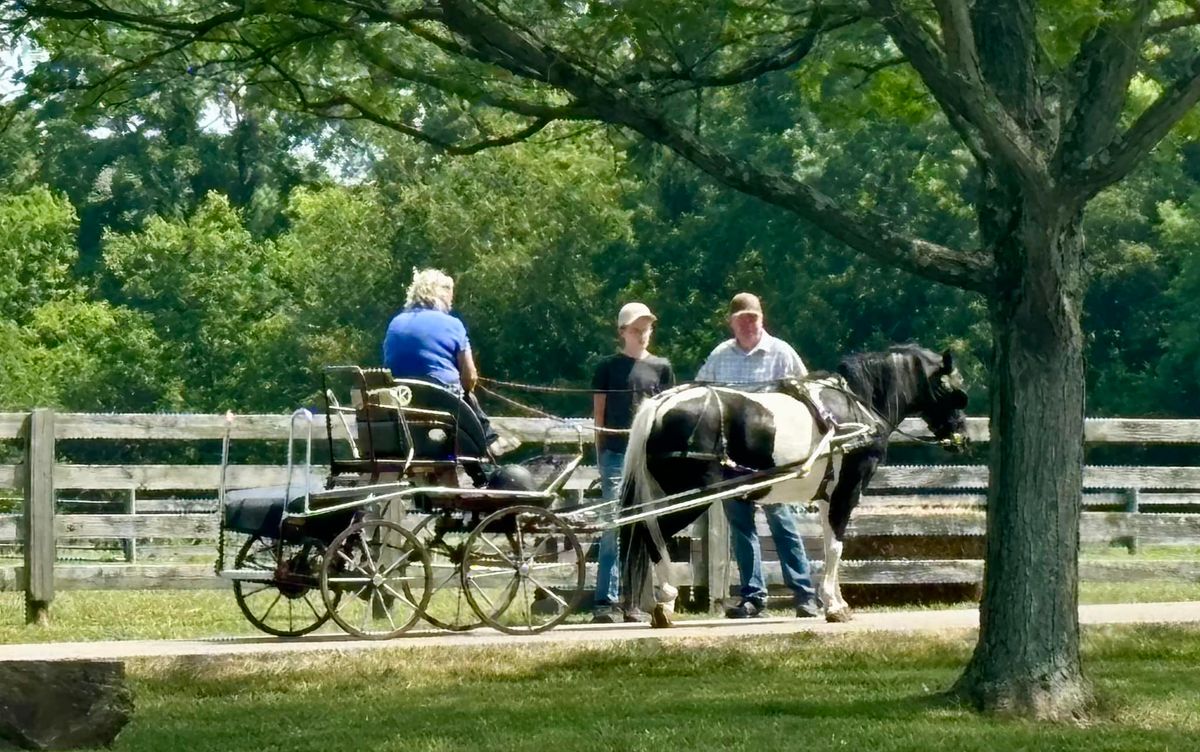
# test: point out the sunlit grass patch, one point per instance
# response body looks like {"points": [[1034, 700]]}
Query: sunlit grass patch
{"points": [[854, 691]]}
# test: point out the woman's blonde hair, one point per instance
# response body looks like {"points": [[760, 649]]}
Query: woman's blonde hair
{"points": [[430, 288]]}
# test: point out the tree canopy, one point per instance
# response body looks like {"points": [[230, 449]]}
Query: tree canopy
{"points": [[961, 142]]}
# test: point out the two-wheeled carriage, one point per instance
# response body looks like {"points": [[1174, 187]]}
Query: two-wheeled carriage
{"points": [[414, 521]]}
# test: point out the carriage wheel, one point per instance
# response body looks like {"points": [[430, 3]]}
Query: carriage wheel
{"points": [[523, 570], [381, 574], [448, 607], [285, 602]]}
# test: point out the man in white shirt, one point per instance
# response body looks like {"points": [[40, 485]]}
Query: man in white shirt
{"points": [[752, 360]]}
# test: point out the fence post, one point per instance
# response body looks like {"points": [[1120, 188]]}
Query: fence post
{"points": [[130, 544], [716, 556], [39, 516], [1132, 498]]}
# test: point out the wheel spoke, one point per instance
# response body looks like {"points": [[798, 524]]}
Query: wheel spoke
{"points": [[362, 540], [546, 589], [271, 607], [493, 572], [263, 586], [346, 557], [311, 608], [402, 560], [386, 611], [499, 553], [399, 596], [537, 548], [527, 603], [366, 612], [441, 584], [347, 601]]}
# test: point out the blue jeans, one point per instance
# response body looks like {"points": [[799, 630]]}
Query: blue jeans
{"points": [[608, 576], [793, 560]]}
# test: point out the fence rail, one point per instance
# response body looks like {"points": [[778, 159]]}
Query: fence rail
{"points": [[151, 507]]}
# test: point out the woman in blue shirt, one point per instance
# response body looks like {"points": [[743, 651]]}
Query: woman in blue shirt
{"points": [[424, 341]]}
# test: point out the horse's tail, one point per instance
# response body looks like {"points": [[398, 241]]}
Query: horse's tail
{"points": [[635, 546], [637, 487]]}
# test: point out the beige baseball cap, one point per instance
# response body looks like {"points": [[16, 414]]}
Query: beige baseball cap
{"points": [[631, 312], [745, 302]]}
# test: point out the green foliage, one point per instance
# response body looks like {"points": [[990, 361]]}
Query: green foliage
{"points": [[339, 273], [243, 268], [529, 234], [1179, 226], [37, 251], [214, 290]]}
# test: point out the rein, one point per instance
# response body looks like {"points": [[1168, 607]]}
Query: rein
{"points": [[892, 427]]}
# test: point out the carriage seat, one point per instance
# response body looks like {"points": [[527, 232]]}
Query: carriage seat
{"points": [[442, 425], [260, 511]]}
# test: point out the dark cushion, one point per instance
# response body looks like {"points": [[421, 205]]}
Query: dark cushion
{"points": [[259, 511]]}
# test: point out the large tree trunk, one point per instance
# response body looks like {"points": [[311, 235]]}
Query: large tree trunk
{"points": [[1027, 658]]}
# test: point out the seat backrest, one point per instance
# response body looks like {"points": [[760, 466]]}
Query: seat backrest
{"points": [[442, 425]]}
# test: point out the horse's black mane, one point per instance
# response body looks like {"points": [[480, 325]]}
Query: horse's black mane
{"points": [[886, 382]]}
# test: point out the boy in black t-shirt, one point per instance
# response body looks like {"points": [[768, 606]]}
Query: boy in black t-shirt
{"points": [[621, 382]]}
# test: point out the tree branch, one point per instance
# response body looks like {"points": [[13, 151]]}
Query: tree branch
{"points": [[1098, 85], [869, 233], [87, 10], [475, 95], [782, 58], [954, 79], [869, 71], [329, 109], [1116, 161]]}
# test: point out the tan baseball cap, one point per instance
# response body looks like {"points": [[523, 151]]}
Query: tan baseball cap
{"points": [[631, 312], [745, 302]]}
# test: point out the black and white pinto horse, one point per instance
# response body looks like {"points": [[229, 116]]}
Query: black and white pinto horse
{"points": [[697, 436]]}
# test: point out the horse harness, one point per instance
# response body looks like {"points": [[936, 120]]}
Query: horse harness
{"points": [[804, 391]]}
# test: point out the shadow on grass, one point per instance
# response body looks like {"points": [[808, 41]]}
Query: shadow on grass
{"points": [[807, 692]]}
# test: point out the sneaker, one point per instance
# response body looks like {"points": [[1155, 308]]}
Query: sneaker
{"points": [[747, 609], [807, 610], [636, 616], [606, 615]]}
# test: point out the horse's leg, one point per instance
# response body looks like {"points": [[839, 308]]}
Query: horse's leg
{"points": [[831, 591], [855, 473], [664, 592]]}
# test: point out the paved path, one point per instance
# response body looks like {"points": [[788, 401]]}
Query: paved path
{"points": [[890, 621]]}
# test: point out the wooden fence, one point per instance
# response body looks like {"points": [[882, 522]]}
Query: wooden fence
{"points": [[164, 527]]}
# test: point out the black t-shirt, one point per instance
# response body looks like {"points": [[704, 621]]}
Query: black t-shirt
{"points": [[627, 382]]}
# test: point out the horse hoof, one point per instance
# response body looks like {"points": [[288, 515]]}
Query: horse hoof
{"points": [[838, 617], [659, 619]]}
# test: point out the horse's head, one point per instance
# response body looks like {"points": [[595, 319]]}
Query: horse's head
{"points": [[909, 380], [943, 403]]}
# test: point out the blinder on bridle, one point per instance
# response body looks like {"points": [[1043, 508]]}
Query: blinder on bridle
{"points": [[946, 401]]}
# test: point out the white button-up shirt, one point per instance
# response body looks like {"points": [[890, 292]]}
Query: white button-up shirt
{"points": [[770, 360]]}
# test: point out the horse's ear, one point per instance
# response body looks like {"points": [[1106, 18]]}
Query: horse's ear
{"points": [[948, 361]]}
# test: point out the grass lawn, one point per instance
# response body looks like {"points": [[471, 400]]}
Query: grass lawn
{"points": [[852, 692]]}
